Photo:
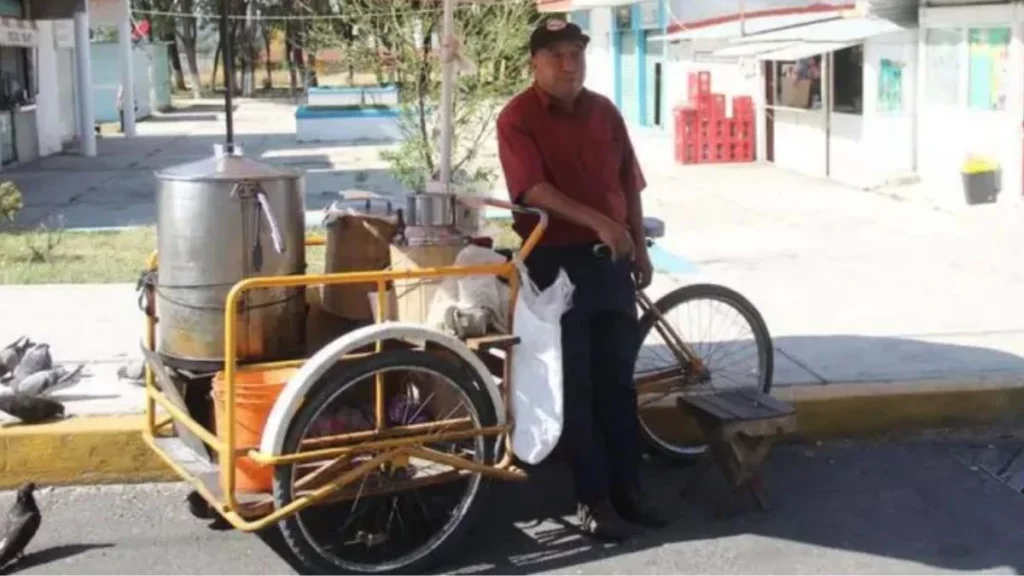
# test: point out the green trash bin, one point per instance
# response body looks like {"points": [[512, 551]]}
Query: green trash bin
{"points": [[982, 180]]}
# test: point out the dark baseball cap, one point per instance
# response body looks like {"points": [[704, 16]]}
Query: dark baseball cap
{"points": [[555, 30]]}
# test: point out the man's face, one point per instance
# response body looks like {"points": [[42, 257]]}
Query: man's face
{"points": [[560, 69]]}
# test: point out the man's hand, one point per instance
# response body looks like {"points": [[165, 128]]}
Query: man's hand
{"points": [[617, 239], [643, 270]]}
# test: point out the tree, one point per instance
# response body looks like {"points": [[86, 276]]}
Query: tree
{"points": [[400, 39], [188, 33]]}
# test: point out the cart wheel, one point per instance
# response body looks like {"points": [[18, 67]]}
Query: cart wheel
{"points": [[401, 517], [741, 356]]}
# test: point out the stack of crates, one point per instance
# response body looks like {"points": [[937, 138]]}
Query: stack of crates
{"points": [[704, 132]]}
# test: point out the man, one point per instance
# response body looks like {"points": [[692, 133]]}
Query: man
{"points": [[566, 150]]}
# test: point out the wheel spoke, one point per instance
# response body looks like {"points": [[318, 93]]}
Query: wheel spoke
{"points": [[729, 339]]}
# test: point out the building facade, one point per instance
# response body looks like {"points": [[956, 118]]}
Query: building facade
{"points": [[865, 93]]}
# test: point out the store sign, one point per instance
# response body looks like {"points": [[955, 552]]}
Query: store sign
{"points": [[649, 15], [15, 32], [624, 17]]}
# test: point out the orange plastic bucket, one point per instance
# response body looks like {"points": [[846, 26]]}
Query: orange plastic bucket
{"points": [[256, 390]]}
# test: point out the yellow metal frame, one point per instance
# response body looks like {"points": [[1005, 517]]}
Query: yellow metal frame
{"points": [[392, 443]]}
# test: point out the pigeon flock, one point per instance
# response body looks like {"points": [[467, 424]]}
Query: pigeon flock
{"points": [[27, 379]]}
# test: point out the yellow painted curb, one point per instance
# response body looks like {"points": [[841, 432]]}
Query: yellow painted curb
{"points": [[875, 408], [79, 450], [110, 449]]}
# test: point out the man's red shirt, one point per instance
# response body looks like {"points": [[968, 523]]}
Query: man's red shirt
{"points": [[585, 153]]}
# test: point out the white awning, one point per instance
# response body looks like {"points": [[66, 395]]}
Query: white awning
{"points": [[17, 32], [739, 27], [841, 30], [804, 50], [750, 49], [809, 40]]}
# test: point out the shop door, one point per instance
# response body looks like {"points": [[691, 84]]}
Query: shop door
{"points": [[629, 77], [653, 88]]}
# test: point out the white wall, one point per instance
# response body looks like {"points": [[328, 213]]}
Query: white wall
{"points": [[600, 66], [800, 141], [891, 150], [947, 129], [48, 99], [875, 147]]}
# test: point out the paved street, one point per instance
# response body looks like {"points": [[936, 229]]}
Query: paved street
{"points": [[913, 507]]}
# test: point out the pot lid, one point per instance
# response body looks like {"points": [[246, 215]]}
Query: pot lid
{"points": [[226, 168]]}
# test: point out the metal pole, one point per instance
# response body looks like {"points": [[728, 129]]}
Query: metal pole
{"points": [[743, 18], [124, 40], [83, 81], [447, 93], [229, 74]]}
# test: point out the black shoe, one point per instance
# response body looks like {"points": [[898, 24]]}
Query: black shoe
{"points": [[634, 508], [602, 522]]}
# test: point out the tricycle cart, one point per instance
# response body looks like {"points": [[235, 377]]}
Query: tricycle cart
{"points": [[378, 447], [371, 455]]}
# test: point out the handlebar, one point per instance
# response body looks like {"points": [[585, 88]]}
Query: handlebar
{"points": [[538, 231], [602, 250]]}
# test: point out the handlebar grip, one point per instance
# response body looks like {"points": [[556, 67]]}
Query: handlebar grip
{"points": [[602, 250]]}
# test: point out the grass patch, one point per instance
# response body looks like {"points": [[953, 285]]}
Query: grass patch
{"points": [[119, 255]]}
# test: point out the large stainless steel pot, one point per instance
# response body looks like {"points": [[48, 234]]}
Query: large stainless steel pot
{"points": [[220, 220]]}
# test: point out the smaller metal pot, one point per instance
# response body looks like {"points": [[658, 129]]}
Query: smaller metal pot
{"points": [[431, 209]]}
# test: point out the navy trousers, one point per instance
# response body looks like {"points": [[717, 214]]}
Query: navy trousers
{"points": [[600, 342]]}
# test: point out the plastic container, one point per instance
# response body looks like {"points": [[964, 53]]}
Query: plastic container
{"points": [[982, 179], [256, 390]]}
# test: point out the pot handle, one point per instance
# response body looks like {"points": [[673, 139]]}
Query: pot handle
{"points": [[268, 213]]}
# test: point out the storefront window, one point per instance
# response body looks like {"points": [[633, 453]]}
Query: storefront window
{"points": [[988, 68], [848, 80], [942, 66], [799, 83], [15, 78]]}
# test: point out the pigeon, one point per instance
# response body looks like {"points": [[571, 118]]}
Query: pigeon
{"points": [[11, 355], [23, 520], [36, 359], [47, 382], [31, 409]]}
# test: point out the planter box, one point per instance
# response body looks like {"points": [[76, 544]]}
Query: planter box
{"points": [[352, 96], [347, 124]]}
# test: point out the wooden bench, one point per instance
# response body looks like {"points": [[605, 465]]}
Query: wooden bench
{"points": [[740, 427]]}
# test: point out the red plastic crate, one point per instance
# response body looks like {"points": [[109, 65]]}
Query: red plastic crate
{"points": [[742, 151], [698, 84], [686, 152], [743, 130], [711, 105], [742, 107]]}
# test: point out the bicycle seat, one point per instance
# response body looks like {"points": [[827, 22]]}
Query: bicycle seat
{"points": [[654, 227]]}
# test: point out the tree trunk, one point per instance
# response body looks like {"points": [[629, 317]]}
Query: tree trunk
{"points": [[188, 43], [175, 57], [313, 81], [216, 64], [268, 84]]}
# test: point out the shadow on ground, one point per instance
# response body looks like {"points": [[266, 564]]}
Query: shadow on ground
{"points": [[911, 502], [843, 508]]}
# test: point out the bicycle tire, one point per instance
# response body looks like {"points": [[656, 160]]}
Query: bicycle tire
{"points": [[750, 313], [322, 393]]}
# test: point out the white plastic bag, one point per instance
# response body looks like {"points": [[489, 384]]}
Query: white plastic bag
{"points": [[536, 372], [473, 291]]}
